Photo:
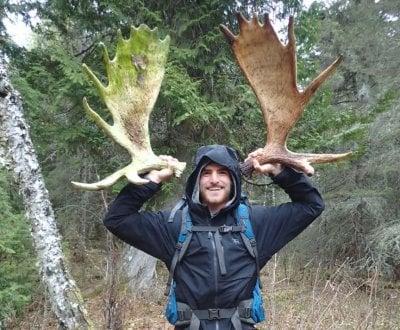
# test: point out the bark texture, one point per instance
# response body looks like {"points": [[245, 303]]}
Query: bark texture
{"points": [[18, 154]]}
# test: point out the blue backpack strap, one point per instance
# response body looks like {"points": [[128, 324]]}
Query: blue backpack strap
{"points": [[184, 238], [243, 218]]}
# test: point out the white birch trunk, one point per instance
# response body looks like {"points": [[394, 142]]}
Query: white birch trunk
{"points": [[17, 153]]}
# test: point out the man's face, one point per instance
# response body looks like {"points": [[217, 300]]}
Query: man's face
{"points": [[215, 186]]}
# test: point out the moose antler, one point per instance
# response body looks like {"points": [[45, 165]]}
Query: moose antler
{"points": [[135, 76], [270, 68]]}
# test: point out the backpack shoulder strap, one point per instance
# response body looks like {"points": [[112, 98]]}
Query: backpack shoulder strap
{"points": [[243, 218], [179, 206], [185, 235]]}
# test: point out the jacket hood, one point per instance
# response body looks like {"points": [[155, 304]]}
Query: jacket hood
{"points": [[221, 155]]}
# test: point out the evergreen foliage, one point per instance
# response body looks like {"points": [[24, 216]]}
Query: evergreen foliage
{"points": [[18, 274], [361, 219]]}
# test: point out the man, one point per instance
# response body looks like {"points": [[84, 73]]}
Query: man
{"points": [[212, 283]]}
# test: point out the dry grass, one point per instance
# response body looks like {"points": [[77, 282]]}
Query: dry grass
{"points": [[309, 297], [315, 299]]}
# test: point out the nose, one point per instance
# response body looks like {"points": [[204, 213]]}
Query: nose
{"points": [[214, 178]]}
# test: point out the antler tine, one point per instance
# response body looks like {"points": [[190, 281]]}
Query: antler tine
{"points": [[318, 81], [269, 28], [292, 48], [255, 18], [291, 37], [241, 19], [228, 34]]}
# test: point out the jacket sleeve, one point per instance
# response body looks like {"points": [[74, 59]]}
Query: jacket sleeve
{"points": [[276, 226], [147, 231]]}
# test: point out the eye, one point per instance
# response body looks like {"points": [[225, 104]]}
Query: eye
{"points": [[224, 172], [205, 173]]}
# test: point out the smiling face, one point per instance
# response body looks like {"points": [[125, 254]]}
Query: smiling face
{"points": [[215, 186]]}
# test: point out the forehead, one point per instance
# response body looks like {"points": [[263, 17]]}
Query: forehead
{"points": [[214, 167]]}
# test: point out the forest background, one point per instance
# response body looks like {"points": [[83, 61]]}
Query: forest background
{"points": [[342, 272]]}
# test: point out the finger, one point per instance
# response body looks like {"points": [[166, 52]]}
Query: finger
{"points": [[256, 164], [168, 159], [255, 153], [258, 152]]}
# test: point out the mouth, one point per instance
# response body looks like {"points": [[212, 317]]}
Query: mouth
{"points": [[215, 188]]}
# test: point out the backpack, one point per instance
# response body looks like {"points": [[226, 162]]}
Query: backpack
{"points": [[251, 310]]}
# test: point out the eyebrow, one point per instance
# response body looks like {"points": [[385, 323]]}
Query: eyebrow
{"points": [[222, 168]]}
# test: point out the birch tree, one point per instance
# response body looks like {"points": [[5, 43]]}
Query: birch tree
{"points": [[18, 154]]}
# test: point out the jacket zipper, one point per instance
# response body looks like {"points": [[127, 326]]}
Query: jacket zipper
{"points": [[215, 263]]}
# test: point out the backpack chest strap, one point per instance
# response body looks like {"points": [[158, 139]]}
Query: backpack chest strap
{"points": [[221, 229], [217, 231]]}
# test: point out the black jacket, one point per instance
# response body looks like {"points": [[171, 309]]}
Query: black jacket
{"points": [[198, 278]]}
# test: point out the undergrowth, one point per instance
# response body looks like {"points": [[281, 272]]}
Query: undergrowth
{"points": [[305, 296]]}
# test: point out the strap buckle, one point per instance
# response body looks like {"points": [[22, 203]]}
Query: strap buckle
{"points": [[246, 313], [225, 229], [213, 314]]}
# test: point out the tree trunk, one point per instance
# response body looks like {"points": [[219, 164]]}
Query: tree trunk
{"points": [[19, 155]]}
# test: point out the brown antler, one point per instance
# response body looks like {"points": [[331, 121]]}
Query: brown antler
{"points": [[270, 68], [134, 80]]}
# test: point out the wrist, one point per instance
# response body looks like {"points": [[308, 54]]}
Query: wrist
{"points": [[153, 178]]}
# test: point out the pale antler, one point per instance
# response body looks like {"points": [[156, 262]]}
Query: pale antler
{"points": [[134, 80], [270, 68]]}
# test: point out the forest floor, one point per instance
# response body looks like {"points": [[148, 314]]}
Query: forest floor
{"points": [[294, 298]]}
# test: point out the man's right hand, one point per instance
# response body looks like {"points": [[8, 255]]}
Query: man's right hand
{"points": [[165, 174], [265, 169]]}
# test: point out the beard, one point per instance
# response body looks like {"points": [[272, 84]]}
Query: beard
{"points": [[216, 196]]}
